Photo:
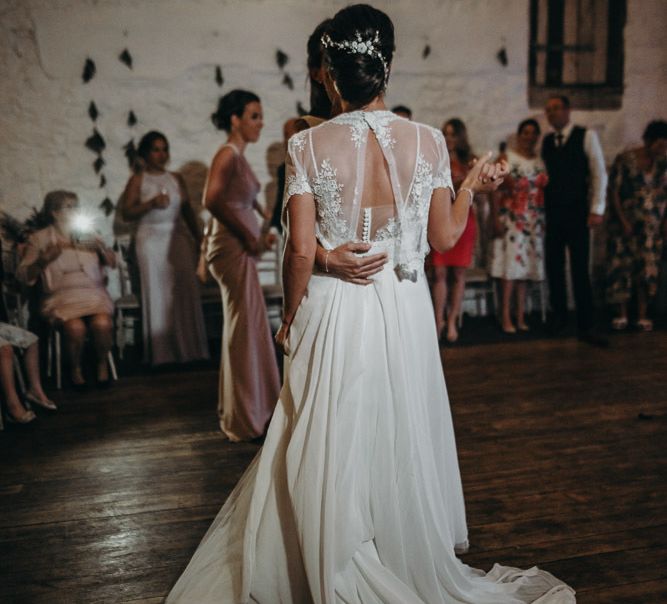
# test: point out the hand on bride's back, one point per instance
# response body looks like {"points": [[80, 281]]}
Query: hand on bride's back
{"points": [[345, 263]]}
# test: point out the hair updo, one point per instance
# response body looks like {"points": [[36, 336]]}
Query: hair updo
{"points": [[233, 103], [360, 77]]}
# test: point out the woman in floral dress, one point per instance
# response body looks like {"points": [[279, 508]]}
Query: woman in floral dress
{"points": [[518, 212], [637, 225]]}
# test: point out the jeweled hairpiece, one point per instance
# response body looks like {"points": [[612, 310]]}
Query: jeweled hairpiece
{"points": [[359, 45]]}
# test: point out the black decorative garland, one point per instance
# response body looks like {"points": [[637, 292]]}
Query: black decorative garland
{"points": [[96, 142]]}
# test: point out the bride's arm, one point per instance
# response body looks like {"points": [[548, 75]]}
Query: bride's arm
{"points": [[447, 219], [298, 259]]}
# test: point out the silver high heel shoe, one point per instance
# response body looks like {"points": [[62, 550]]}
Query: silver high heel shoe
{"points": [[26, 418], [47, 404]]}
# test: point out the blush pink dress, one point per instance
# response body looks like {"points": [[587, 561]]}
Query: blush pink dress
{"points": [[249, 378]]}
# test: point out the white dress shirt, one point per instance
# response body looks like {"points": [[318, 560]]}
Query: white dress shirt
{"points": [[598, 188]]}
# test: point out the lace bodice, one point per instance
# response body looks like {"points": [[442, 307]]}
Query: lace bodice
{"points": [[329, 161]]}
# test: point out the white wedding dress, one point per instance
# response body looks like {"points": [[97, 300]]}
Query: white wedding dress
{"points": [[356, 495]]}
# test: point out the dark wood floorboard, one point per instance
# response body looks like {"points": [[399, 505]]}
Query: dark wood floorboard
{"points": [[106, 500]]}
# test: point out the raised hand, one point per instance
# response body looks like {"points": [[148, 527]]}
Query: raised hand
{"points": [[486, 176]]}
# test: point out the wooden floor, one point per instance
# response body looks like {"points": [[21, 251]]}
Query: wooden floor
{"points": [[106, 500]]}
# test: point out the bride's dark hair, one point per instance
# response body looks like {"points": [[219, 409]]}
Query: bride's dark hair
{"points": [[359, 76]]}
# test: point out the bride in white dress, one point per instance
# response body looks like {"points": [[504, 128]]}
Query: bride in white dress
{"points": [[356, 495]]}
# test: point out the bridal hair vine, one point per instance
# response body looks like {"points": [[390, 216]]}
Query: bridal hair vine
{"points": [[359, 45]]}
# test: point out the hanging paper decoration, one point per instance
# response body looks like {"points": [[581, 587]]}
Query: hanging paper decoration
{"points": [[426, 52], [126, 58], [98, 164], [281, 58], [95, 142], [131, 119], [107, 206], [219, 80], [92, 111], [103, 181], [502, 56], [89, 70], [300, 110], [130, 153], [287, 81]]}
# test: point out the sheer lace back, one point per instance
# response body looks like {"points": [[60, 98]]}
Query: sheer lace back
{"points": [[330, 162]]}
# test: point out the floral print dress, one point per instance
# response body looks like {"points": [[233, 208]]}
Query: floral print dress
{"points": [[635, 259], [519, 253]]}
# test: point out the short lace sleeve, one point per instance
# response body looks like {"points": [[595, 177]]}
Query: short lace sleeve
{"points": [[443, 175], [296, 180]]}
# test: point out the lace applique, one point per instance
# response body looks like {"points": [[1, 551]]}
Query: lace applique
{"points": [[379, 122], [421, 189], [441, 180], [326, 188], [361, 121], [389, 231], [297, 185], [299, 140]]}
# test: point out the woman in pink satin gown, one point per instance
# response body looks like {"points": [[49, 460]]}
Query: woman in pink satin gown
{"points": [[249, 379]]}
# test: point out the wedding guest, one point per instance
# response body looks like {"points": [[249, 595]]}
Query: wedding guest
{"points": [[637, 225], [456, 260], [249, 380], [518, 218], [69, 262], [14, 337], [574, 202], [166, 242], [402, 111], [10, 337]]}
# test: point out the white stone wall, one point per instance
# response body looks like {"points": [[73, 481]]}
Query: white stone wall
{"points": [[176, 45]]}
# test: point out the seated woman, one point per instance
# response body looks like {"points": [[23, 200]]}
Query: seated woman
{"points": [[71, 273], [11, 336]]}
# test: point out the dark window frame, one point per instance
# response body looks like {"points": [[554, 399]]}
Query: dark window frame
{"points": [[607, 95]]}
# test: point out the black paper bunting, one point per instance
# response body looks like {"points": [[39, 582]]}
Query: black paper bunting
{"points": [[92, 111], [95, 142], [502, 57], [426, 52], [219, 80], [281, 58], [89, 70], [103, 181], [130, 152], [126, 58], [107, 206], [131, 119], [287, 81], [98, 164]]}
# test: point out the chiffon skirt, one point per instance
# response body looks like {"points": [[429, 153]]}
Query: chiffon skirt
{"points": [[356, 495]]}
